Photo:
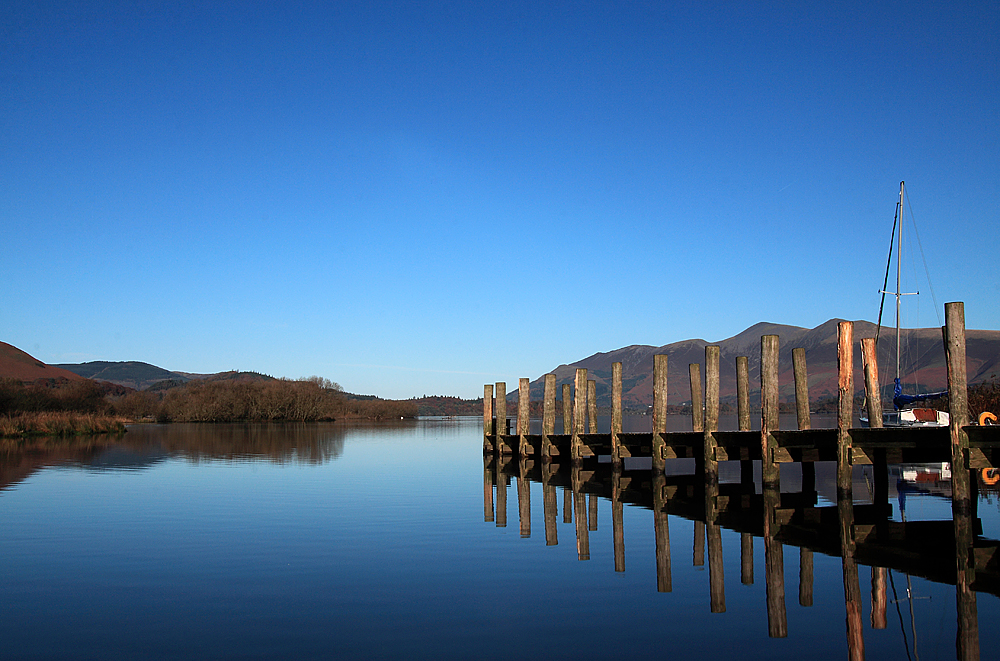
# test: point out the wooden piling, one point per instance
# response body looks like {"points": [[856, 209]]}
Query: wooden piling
{"points": [[501, 518], [618, 519], [698, 544], [592, 406], [873, 394], [743, 392], [592, 501], [769, 407], [548, 415], [697, 410], [523, 416], [567, 409], [550, 504], [805, 577], [488, 422], [488, 466], [580, 512], [523, 497], [746, 558], [616, 415], [852, 586], [961, 492], [716, 574], [661, 531], [579, 412], [501, 424], [659, 411], [774, 566], [801, 388], [845, 405], [712, 353], [880, 599]]}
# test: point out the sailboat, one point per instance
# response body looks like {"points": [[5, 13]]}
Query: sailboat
{"points": [[904, 414]]}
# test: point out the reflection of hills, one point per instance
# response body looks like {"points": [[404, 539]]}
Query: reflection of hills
{"points": [[146, 445]]}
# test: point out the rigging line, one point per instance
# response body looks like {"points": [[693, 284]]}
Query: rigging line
{"points": [[902, 629], [885, 284], [923, 258]]}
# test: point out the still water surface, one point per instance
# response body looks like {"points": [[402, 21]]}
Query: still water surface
{"points": [[370, 542]]}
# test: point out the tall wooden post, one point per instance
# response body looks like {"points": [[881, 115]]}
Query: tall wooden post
{"points": [[548, 415], [743, 424], [845, 405], [489, 445], [961, 491], [801, 388], [711, 413], [523, 416], [769, 407], [501, 425], [567, 409], [873, 394], [697, 410], [616, 416], [592, 406], [659, 411], [579, 412]]}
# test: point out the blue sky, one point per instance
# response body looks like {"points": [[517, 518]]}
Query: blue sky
{"points": [[417, 198]]}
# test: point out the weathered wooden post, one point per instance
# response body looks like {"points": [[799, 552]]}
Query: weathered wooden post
{"points": [[548, 415], [880, 599], [768, 407], [873, 394], [961, 492], [805, 577], [845, 405], [661, 531], [489, 444], [801, 388], [580, 512], [592, 511], [523, 497], [743, 424], [523, 416], [852, 586], [616, 416], [698, 544], [579, 412], [501, 518], [712, 353], [716, 575], [592, 406], [567, 409], [746, 558], [697, 410], [617, 519], [774, 565], [659, 412], [501, 424], [567, 505]]}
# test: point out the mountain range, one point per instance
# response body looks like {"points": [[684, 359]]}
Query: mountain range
{"points": [[922, 368]]}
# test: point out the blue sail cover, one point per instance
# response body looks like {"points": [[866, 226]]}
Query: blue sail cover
{"points": [[899, 400]]}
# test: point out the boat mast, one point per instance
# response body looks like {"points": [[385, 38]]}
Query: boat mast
{"points": [[899, 249]]}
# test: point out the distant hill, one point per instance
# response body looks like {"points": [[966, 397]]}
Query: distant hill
{"points": [[17, 364], [923, 368], [132, 374]]}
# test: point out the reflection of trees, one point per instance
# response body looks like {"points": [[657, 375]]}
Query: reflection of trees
{"points": [[143, 445]]}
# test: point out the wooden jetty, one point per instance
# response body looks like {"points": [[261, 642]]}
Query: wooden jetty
{"points": [[862, 534]]}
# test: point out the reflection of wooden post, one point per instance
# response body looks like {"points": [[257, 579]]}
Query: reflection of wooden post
{"points": [[852, 588], [659, 411], [873, 394], [567, 409], [487, 417], [617, 519], [487, 489], [879, 598], [616, 415], [523, 497], [579, 412], [697, 410], [550, 505], [501, 497], [592, 511], [768, 407], [501, 424], [774, 567], [711, 414], [716, 575], [523, 416], [746, 558], [805, 577], [567, 505], [845, 405], [801, 388], [661, 532], [961, 490], [548, 415], [698, 547], [580, 507], [592, 406]]}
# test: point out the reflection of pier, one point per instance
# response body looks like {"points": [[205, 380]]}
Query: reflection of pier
{"points": [[946, 551]]}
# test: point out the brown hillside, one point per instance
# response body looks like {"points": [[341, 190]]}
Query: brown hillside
{"points": [[16, 364]]}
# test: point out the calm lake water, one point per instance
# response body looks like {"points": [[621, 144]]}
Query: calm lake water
{"points": [[380, 541]]}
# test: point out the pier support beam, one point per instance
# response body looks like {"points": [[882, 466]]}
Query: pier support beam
{"points": [[659, 411]]}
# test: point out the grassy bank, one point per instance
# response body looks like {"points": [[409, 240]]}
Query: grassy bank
{"points": [[59, 423]]}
